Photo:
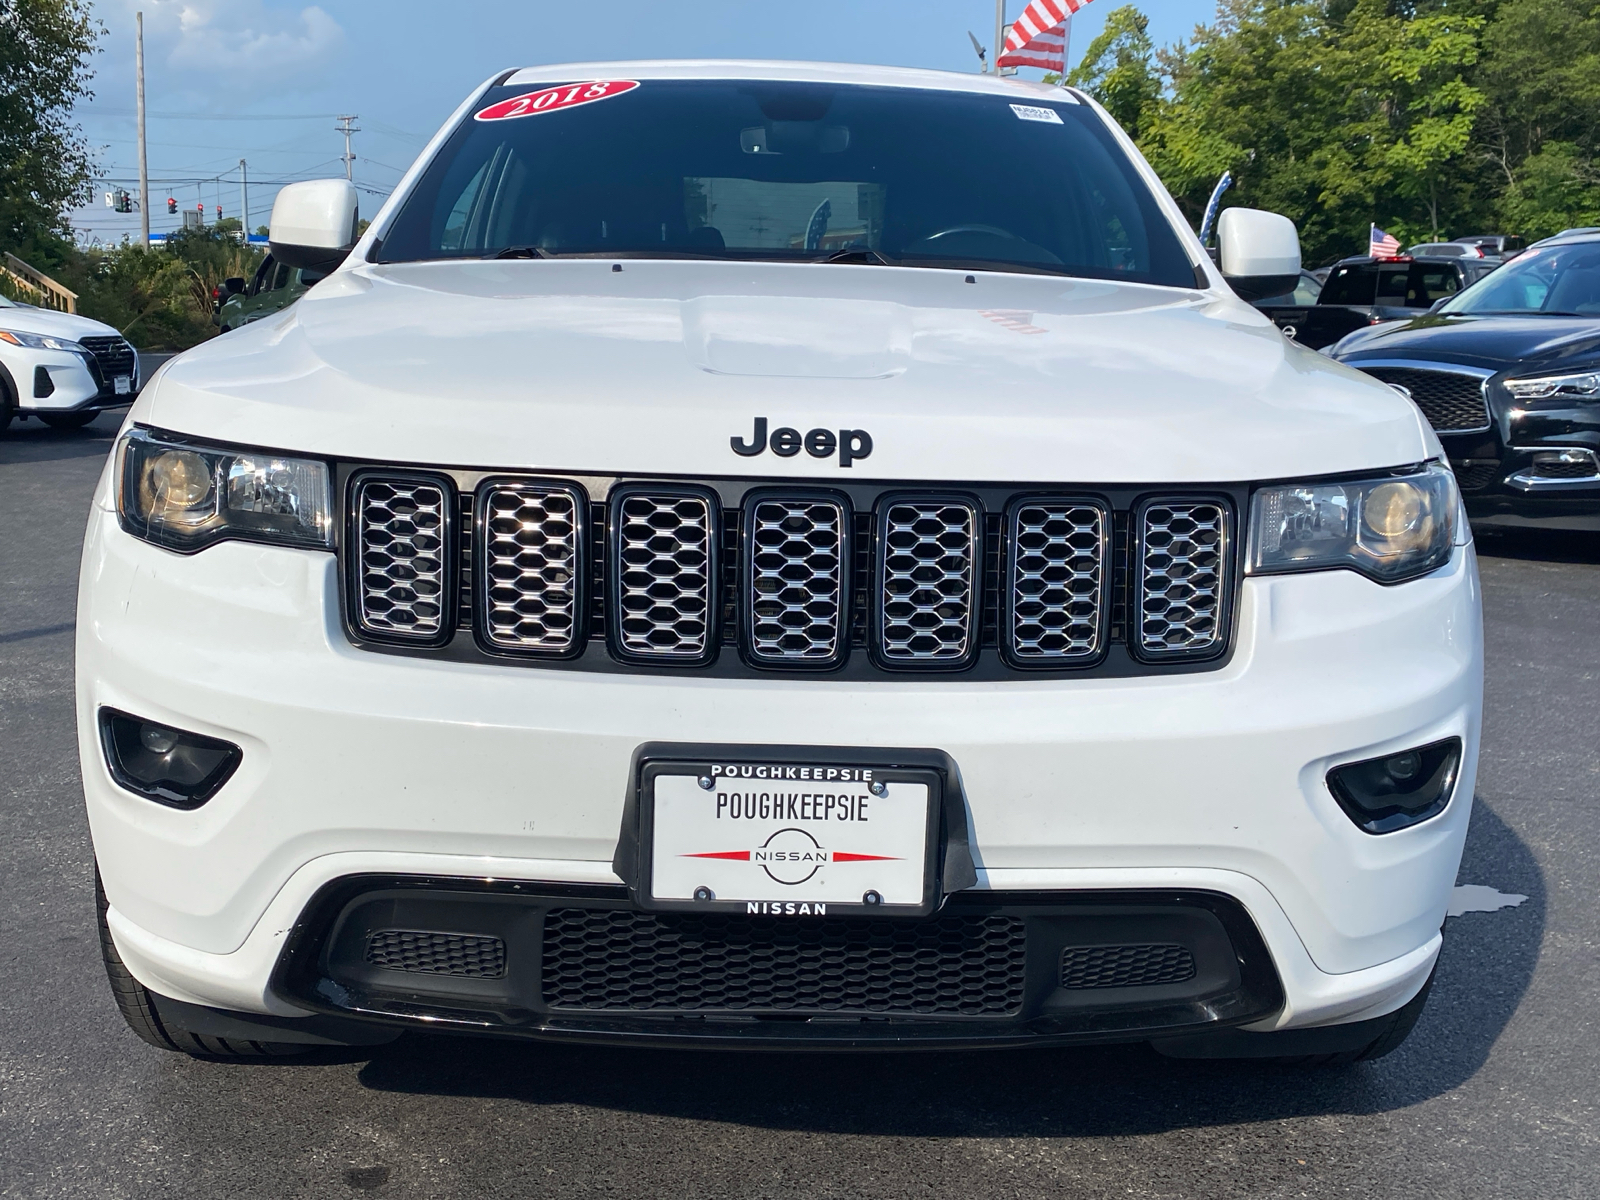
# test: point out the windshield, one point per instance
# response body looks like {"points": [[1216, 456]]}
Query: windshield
{"points": [[788, 172], [1553, 280]]}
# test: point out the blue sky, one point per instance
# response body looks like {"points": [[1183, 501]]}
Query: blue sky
{"points": [[262, 79]]}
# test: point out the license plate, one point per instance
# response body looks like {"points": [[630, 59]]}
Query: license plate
{"points": [[790, 839], [122, 385]]}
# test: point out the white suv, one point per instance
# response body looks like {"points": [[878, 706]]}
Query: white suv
{"points": [[771, 554]]}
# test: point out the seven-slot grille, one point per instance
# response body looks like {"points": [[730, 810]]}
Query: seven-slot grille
{"points": [[1183, 577], [403, 564], [796, 571], [929, 559], [533, 558], [1452, 401], [665, 574], [1056, 581], [662, 574]]}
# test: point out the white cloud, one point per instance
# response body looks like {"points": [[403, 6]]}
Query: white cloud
{"points": [[249, 42]]}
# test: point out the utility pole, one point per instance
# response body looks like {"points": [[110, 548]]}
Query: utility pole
{"points": [[244, 206], [144, 170], [999, 33], [346, 128]]}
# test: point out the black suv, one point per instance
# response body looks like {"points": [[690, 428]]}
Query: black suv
{"points": [[1365, 291]]}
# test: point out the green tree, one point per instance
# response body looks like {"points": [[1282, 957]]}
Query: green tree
{"points": [[1118, 69], [45, 48]]}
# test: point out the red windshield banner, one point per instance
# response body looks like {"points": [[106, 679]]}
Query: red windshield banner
{"points": [[568, 95]]}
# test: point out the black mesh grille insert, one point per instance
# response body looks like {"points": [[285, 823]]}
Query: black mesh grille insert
{"points": [[618, 959], [1124, 966], [437, 953], [1452, 402]]}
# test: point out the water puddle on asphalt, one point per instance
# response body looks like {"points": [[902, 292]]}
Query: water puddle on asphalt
{"points": [[1476, 897]]}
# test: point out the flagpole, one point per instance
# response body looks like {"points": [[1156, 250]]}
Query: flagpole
{"points": [[999, 32]]}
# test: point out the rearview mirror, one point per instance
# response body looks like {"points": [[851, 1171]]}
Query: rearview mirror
{"points": [[314, 223], [1259, 252]]}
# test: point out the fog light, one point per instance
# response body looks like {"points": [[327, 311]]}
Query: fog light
{"points": [[1384, 794], [163, 764]]}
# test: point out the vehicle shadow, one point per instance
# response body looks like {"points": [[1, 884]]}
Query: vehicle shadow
{"points": [[1488, 962], [30, 441], [1539, 545]]}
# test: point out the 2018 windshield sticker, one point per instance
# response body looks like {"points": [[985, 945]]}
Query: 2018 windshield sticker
{"points": [[1029, 112], [553, 99]]}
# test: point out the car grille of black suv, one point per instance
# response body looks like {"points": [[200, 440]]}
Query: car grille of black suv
{"points": [[605, 574], [1452, 401], [112, 355]]}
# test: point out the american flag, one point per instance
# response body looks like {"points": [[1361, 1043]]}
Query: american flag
{"points": [[1038, 39], [1382, 245]]}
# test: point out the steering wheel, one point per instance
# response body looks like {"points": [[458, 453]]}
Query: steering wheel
{"points": [[989, 229]]}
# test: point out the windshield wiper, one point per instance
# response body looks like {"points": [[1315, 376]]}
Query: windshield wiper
{"points": [[858, 254]]}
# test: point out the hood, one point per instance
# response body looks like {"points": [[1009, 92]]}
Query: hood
{"points": [[24, 318], [1492, 342], [577, 366]]}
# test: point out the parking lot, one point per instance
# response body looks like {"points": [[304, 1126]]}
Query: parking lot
{"points": [[1496, 1094]]}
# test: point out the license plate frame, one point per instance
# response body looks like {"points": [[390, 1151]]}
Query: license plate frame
{"points": [[122, 385], [859, 772]]}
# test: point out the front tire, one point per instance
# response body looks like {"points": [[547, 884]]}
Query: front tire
{"points": [[75, 420], [137, 1006]]}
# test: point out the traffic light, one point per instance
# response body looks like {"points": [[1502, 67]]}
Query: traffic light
{"points": [[124, 201], [219, 212], [172, 204]]}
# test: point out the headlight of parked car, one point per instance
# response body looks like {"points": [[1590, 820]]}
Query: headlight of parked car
{"points": [[186, 495], [37, 341], [1390, 528], [1584, 386]]}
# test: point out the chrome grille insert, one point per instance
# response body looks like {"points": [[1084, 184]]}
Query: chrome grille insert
{"points": [[531, 561], [402, 570], [1056, 581], [796, 560], [929, 551], [1183, 572], [665, 551]]}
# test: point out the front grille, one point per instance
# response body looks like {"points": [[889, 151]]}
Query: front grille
{"points": [[928, 568], [533, 549], [1473, 475], [797, 559], [668, 575], [1183, 578], [632, 961], [1125, 966], [1452, 402], [113, 355], [665, 574], [1057, 580], [402, 568], [437, 953]]}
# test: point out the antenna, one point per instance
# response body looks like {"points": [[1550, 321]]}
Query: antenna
{"points": [[983, 55]]}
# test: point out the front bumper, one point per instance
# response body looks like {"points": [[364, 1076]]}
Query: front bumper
{"points": [[364, 764], [1500, 474]]}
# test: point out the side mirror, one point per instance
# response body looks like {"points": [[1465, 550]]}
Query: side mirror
{"points": [[1259, 252], [232, 286], [314, 223]]}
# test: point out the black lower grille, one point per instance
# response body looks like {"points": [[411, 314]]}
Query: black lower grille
{"points": [[1474, 475], [437, 953], [1124, 966], [632, 961]]}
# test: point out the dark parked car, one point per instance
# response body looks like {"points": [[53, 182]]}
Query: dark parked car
{"points": [[1508, 374], [1500, 245], [1364, 291]]}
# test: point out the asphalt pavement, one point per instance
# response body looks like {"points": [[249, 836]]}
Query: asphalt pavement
{"points": [[1496, 1094]]}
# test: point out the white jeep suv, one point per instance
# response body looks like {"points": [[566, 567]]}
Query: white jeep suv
{"points": [[771, 554]]}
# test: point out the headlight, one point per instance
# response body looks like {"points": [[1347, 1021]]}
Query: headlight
{"points": [[1391, 528], [1585, 386], [37, 341], [184, 495]]}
